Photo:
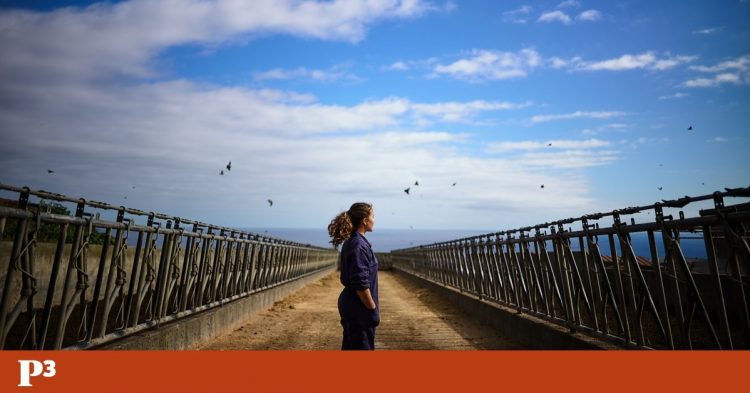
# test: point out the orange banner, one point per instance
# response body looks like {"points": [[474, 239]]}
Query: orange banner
{"points": [[331, 371]]}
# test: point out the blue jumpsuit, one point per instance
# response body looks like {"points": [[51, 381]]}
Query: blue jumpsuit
{"points": [[359, 270]]}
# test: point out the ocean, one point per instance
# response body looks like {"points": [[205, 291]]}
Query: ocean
{"points": [[385, 240], [382, 240]]}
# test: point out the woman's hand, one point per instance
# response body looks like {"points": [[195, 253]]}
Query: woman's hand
{"points": [[366, 297]]}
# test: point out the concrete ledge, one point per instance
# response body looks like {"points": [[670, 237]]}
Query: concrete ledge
{"points": [[532, 332], [192, 331]]}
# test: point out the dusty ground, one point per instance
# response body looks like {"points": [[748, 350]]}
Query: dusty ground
{"points": [[411, 318]]}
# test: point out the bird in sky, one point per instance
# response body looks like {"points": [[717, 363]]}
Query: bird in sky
{"points": [[661, 164], [50, 171], [542, 186], [416, 183], [229, 166], [407, 190], [703, 183], [549, 144], [221, 173], [270, 203], [690, 128], [659, 188], [454, 184], [133, 187]]}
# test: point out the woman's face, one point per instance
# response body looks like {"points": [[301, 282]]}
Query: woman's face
{"points": [[369, 221]]}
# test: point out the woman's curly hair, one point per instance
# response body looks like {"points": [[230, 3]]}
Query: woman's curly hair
{"points": [[345, 223]]}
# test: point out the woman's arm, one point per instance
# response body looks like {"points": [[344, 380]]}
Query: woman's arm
{"points": [[366, 297]]}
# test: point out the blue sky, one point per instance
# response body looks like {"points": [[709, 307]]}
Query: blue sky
{"points": [[321, 104]]}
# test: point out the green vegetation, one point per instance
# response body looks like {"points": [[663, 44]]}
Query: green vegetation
{"points": [[51, 232]]}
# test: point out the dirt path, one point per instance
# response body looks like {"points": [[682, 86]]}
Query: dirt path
{"points": [[411, 318]]}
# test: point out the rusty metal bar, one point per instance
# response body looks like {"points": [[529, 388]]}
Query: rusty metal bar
{"points": [[179, 267], [636, 298]]}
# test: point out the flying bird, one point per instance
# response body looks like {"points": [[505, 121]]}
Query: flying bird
{"points": [[659, 188], [549, 144], [454, 184], [133, 187], [50, 171], [229, 166], [542, 186], [407, 190], [221, 173], [270, 203], [416, 183], [690, 128]]}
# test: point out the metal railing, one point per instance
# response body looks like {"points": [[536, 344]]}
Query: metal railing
{"points": [[82, 295], [656, 298]]}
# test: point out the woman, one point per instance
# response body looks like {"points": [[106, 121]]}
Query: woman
{"points": [[358, 301]]}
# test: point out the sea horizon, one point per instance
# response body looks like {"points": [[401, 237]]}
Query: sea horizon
{"points": [[386, 240], [382, 240]]}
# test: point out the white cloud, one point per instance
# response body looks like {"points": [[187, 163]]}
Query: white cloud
{"points": [[557, 63], [107, 39], [555, 16], [569, 3], [625, 62], [288, 97], [589, 16], [262, 111], [709, 30], [674, 96], [741, 63], [483, 64], [669, 63], [278, 73], [368, 151], [571, 158], [717, 80], [638, 142], [518, 15], [333, 74], [508, 146], [577, 115], [398, 66], [605, 128], [733, 71], [557, 154], [560, 16], [102, 133], [459, 111], [701, 82], [647, 60], [616, 126], [718, 139], [491, 65]]}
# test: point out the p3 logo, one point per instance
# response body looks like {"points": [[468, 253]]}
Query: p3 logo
{"points": [[35, 368]]}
